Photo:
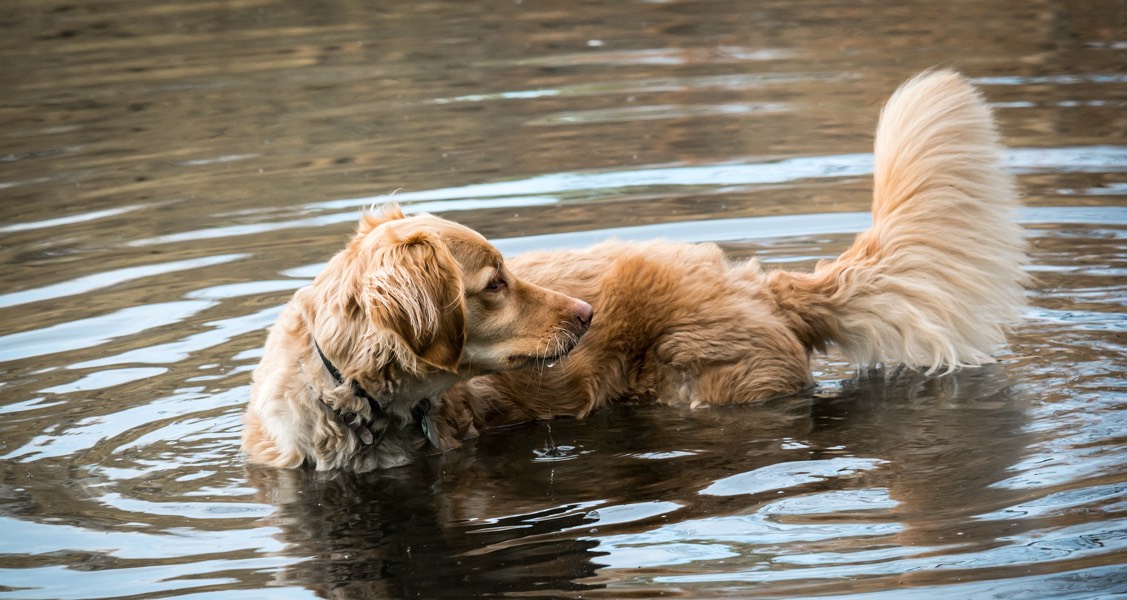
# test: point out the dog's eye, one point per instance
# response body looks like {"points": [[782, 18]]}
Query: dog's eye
{"points": [[496, 284]]}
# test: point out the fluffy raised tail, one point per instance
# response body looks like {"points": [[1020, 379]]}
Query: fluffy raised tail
{"points": [[938, 277]]}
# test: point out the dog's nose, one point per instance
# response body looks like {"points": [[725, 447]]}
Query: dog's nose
{"points": [[584, 312]]}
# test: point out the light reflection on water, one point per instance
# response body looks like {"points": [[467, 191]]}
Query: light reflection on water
{"points": [[171, 173]]}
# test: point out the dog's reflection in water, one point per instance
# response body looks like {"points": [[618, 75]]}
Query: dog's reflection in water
{"points": [[517, 511]]}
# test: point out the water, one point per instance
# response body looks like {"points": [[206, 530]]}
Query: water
{"points": [[170, 172]]}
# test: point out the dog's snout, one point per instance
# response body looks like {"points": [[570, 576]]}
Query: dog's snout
{"points": [[583, 313]]}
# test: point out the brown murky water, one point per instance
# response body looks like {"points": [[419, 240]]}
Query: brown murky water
{"points": [[171, 171]]}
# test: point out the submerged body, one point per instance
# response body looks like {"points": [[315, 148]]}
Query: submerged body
{"points": [[676, 323]]}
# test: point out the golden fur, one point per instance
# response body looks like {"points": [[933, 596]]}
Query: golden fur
{"points": [[408, 308], [932, 284]]}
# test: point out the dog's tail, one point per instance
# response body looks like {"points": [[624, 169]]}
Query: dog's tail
{"points": [[938, 277]]}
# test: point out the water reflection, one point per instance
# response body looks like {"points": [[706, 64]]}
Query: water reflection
{"points": [[858, 483]]}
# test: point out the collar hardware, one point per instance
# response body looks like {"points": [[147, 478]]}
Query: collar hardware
{"points": [[362, 429]]}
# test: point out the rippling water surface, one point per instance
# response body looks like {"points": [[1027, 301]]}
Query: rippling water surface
{"points": [[171, 171]]}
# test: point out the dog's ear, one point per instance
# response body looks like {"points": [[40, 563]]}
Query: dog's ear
{"points": [[415, 291]]}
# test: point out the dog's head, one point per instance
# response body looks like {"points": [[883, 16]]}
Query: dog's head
{"points": [[442, 295]]}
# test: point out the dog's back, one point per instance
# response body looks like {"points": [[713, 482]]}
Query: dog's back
{"points": [[931, 285]]}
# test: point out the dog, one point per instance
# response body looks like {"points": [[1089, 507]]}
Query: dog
{"points": [[411, 306], [932, 285]]}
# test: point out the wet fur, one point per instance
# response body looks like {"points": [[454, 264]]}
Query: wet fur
{"points": [[405, 310], [932, 285]]}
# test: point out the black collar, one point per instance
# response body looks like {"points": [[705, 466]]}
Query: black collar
{"points": [[359, 426], [356, 388]]}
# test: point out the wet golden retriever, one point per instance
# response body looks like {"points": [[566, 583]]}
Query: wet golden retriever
{"points": [[932, 285], [414, 307], [411, 306]]}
